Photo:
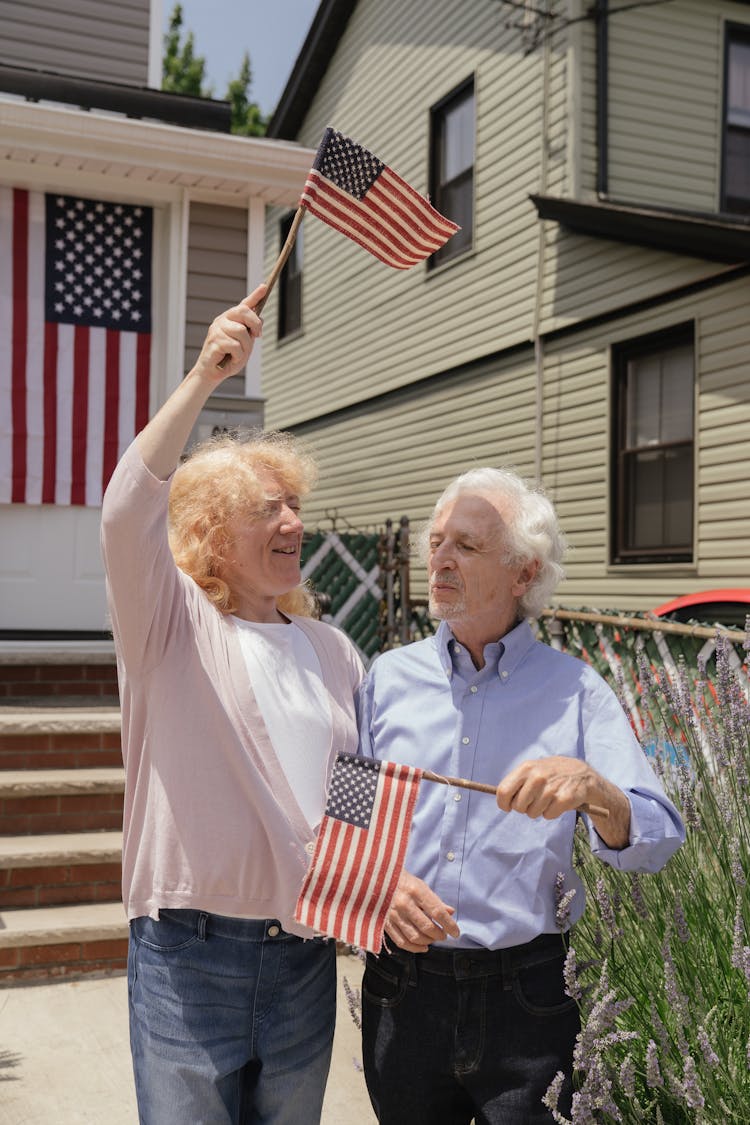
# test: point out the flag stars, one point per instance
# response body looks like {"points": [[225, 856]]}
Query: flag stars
{"points": [[94, 249]]}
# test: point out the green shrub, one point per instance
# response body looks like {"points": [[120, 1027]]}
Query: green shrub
{"points": [[660, 964]]}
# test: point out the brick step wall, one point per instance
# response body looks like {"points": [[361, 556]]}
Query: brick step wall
{"points": [[64, 800], [61, 796]]}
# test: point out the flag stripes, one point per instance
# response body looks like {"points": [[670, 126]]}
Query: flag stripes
{"points": [[356, 194], [356, 866]]}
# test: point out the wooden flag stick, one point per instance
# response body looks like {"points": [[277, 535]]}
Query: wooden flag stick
{"points": [[481, 787], [273, 277]]}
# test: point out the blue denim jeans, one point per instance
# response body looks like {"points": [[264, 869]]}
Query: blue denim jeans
{"points": [[451, 1036], [231, 1020]]}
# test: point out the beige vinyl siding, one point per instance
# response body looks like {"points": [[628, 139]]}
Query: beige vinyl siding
{"points": [[380, 328], [216, 275], [394, 458], [666, 70], [101, 39], [577, 390], [586, 277]]}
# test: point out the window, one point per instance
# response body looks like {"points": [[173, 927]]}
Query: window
{"points": [[452, 167], [290, 282], [735, 196], [653, 447]]}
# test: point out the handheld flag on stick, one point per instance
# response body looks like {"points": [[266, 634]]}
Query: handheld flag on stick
{"points": [[354, 192], [359, 854], [357, 194]]}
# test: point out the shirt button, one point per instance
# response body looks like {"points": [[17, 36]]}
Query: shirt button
{"points": [[274, 931], [466, 741], [310, 847], [458, 649], [451, 856], [503, 675], [456, 796], [474, 689]]}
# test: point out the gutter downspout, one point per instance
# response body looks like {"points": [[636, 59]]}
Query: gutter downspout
{"points": [[602, 98], [540, 259]]}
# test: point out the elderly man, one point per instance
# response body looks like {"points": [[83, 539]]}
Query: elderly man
{"points": [[465, 1015]]}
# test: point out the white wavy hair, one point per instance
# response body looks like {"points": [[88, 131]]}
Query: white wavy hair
{"points": [[532, 528]]}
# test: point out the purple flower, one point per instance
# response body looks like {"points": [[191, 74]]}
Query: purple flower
{"points": [[636, 894], [627, 1076], [570, 976], [563, 899], [653, 1073], [709, 1054], [680, 923]]}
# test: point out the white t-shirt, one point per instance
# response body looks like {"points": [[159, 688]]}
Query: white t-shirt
{"points": [[285, 673]]}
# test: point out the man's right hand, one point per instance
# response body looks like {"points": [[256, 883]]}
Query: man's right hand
{"points": [[417, 917]]}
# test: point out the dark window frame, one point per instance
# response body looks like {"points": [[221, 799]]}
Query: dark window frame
{"points": [[458, 244], [290, 283], [733, 32], [621, 553]]}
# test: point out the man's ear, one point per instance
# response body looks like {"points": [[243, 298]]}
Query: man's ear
{"points": [[526, 576]]}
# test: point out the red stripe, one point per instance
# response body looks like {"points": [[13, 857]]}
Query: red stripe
{"points": [[338, 220], [407, 779], [417, 225], [111, 405], [356, 859], [351, 218], [19, 343], [415, 204], [352, 840], [410, 225], [49, 464], [142, 380], [335, 830], [363, 217], [80, 414], [312, 887], [360, 913]]}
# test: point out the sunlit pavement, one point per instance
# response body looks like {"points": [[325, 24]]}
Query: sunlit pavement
{"points": [[64, 1055]]}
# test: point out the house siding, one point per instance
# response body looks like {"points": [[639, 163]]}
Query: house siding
{"points": [[577, 395], [100, 39], [360, 313], [216, 275], [401, 380]]}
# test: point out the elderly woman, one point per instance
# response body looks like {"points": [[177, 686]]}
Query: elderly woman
{"points": [[234, 702]]}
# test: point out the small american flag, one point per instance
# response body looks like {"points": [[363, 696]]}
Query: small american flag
{"points": [[75, 336], [356, 193], [359, 854]]}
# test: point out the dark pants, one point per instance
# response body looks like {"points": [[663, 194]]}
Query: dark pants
{"points": [[451, 1036]]}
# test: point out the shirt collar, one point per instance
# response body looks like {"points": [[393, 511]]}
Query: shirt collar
{"points": [[513, 648]]}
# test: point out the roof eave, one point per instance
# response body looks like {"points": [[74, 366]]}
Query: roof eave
{"points": [[698, 235]]}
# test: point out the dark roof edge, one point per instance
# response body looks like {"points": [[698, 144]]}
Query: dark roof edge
{"points": [[714, 238], [328, 25]]}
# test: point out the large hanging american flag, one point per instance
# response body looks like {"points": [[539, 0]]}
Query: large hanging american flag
{"points": [[75, 342], [356, 193], [359, 853]]}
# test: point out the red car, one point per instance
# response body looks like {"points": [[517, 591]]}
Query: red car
{"points": [[727, 607]]}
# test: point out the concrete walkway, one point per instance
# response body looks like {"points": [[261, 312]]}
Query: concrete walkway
{"points": [[64, 1055]]}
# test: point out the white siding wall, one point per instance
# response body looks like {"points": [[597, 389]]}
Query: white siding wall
{"points": [[102, 39]]}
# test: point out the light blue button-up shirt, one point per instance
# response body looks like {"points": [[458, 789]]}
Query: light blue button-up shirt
{"points": [[427, 705]]}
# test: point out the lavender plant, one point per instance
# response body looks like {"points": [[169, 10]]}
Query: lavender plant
{"points": [[660, 964]]}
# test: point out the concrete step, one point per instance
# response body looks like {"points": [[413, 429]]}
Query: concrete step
{"points": [[61, 669], [62, 941], [61, 800], [45, 735], [75, 867], [67, 847]]}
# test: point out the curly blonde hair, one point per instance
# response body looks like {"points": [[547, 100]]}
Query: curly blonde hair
{"points": [[220, 480]]}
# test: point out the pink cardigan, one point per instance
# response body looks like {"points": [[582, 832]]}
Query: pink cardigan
{"points": [[210, 820]]}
